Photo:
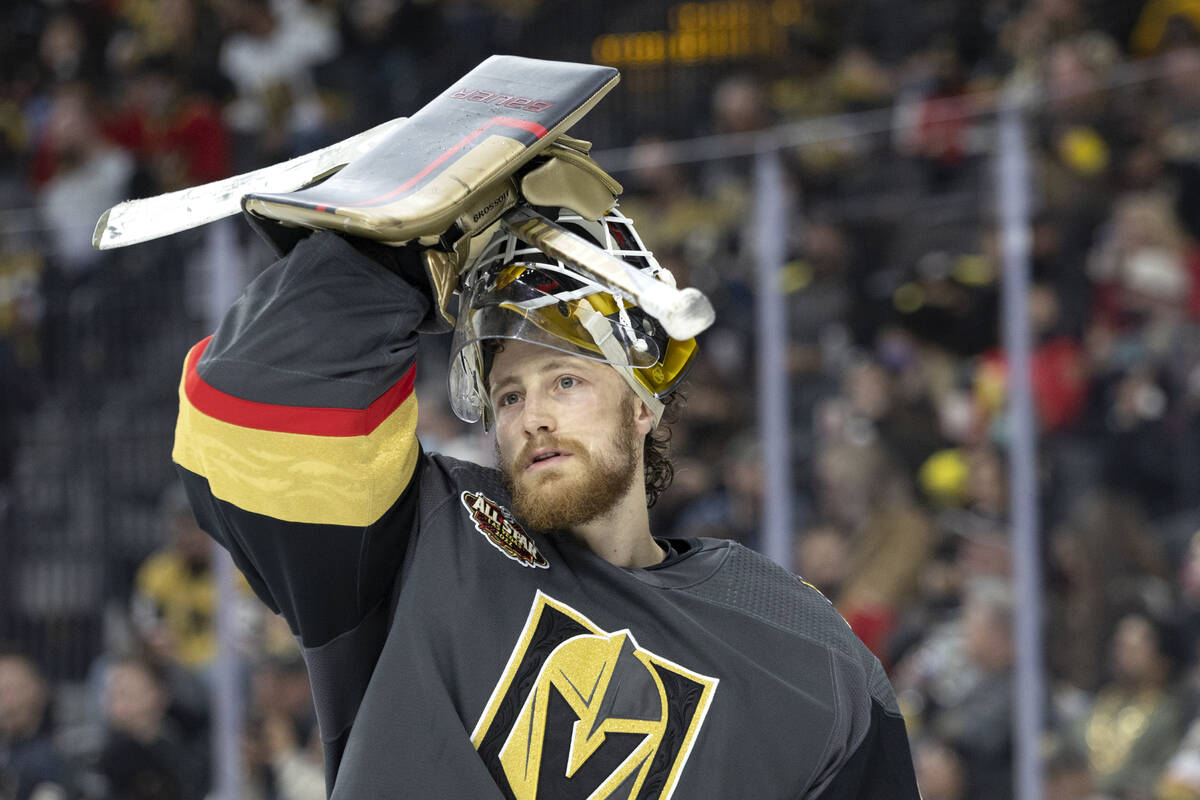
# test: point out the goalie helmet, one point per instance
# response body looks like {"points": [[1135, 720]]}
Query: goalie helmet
{"points": [[515, 291]]}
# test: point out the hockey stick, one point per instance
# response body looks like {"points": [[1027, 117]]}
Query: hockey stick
{"points": [[683, 313], [136, 221]]}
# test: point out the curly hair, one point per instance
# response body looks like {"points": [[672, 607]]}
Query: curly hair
{"points": [[656, 451]]}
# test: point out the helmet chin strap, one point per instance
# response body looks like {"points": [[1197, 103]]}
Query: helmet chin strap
{"points": [[600, 329]]}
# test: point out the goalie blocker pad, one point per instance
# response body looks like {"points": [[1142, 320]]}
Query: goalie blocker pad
{"points": [[453, 160]]}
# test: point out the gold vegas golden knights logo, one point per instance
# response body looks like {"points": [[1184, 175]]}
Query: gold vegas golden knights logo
{"points": [[582, 714], [497, 524]]}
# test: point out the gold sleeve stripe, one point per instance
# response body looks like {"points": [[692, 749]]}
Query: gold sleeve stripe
{"points": [[298, 477], [291, 419]]}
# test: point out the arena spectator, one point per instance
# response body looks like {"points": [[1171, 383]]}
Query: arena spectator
{"points": [[67, 47], [270, 56], [78, 174], [822, 557], [185, 36], [732, 512], [1136, 722], [1066, 771], [175, 592], [83, 175], [978, 724], [940, 772], [282, 744], [1060, 380], [142, 757], [860, 489], [1105, 556], [172, 127], [29, 758]]}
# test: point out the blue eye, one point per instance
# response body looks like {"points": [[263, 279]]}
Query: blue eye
{"points": [[509, 398], [566, 382]]}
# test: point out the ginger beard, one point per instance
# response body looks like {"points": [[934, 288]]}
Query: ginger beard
{"points": [[592, 485]]}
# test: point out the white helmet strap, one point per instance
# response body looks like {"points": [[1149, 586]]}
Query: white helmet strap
{"points": [[600, 329]]}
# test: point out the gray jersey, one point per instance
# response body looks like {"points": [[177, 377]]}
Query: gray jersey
{"points": [[455, 654]]}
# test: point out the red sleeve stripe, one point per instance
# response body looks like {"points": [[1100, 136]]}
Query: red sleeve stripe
{"points": [[213, 402]]}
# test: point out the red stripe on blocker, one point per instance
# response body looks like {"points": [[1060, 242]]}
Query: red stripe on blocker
{"points": [[511, 122], [212, 402]]}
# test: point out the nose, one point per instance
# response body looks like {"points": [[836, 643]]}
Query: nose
{"points": [[537, 415]]}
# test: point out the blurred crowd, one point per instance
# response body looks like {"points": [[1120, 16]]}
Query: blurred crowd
{"points": [[898, 372]]}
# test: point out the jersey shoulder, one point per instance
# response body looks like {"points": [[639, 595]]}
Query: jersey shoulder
{"points": [[755, 586], [445, 478], [758, 587]]}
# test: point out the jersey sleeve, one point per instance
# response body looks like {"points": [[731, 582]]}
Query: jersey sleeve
{"points": [[296, 443], [851, 733], [868, 756], [880, 767]]}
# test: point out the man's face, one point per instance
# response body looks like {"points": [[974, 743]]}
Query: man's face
{"points": [[22, 698], [134, 701], [1135, 650], [569, 435]]}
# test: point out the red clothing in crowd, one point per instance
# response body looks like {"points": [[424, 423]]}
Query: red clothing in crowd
{"points": [[195, 133], [1059, 380]]}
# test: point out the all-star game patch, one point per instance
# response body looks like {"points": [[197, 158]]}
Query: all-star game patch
{"points": [[497, 524]]}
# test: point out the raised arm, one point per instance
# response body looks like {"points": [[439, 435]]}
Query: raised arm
{"points": [[296, 432]]}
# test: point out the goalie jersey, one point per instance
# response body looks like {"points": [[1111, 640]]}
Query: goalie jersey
{"points": [[452, 652]]}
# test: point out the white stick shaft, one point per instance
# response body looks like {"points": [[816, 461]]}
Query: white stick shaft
{"points": [[684, 313], [136, 221]]}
